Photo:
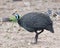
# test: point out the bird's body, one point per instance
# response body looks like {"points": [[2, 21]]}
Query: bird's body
{"points": [[36, 21]]}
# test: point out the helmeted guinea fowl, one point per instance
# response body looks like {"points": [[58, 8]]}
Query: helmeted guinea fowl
{"points": [[35, 21]]}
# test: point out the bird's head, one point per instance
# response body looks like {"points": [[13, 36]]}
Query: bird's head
{"points": [[16, 15]]}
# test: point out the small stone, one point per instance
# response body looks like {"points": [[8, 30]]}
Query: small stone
{"points": [[29, 43], [46, 47], [27, 3], [14, 26], [19, 29]]}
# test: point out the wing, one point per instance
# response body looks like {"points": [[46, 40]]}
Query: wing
{"points": [[36, 20]]}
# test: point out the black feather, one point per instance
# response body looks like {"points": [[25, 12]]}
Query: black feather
{"points": [[36, 21]]}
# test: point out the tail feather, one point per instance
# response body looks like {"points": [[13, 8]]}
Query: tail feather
{"points": [[50, 28]]}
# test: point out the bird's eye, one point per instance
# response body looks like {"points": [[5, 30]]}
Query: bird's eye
{"points": [[16, 17]]}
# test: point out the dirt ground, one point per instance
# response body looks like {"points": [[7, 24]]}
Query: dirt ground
{"points": [[14, 36]]}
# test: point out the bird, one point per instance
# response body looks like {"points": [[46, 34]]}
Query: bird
{"points": [[34, 21]]}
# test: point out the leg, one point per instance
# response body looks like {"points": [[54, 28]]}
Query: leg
{"points": [[36, 36], [41, 31]]}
